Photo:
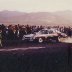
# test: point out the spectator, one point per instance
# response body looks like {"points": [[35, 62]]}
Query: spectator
{"points": [[0, 38], [16, 32]]}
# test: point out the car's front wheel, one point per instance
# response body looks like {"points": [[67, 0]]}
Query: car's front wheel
{"points": [[40, 40]]}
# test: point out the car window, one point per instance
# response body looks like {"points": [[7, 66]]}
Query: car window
{"points": [[50, 32], [44, 32]]}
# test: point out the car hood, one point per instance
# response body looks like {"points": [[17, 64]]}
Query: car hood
{"points": [[29, 35]]}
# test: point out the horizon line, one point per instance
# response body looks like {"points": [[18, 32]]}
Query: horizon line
{"points": [[34, 11]]}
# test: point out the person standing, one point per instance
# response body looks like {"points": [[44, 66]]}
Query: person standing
{"points": [[0, 38]]}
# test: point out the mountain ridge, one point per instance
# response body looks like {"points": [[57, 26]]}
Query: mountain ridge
{"points": [[39, 18]]}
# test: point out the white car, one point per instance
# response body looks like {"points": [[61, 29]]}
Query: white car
{"points": [[43, 35]]}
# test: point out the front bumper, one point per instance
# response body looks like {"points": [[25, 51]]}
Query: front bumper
{"points": [[27, 39]]}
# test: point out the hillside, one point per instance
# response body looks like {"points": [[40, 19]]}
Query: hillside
{"points": [[36, 18]]}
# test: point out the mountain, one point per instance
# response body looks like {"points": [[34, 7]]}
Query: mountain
{"points": [[36, 18]]}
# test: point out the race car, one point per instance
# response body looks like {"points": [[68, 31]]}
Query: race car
{"points": [[44, 35]]}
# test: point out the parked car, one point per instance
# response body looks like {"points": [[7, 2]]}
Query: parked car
{"points": [[44, 35]]}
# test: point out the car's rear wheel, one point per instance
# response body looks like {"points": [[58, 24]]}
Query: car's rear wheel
{"points": [[40, 40]]}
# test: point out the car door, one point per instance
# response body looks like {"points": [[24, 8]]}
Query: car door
{"points": [[45, 33], [50, 33]]}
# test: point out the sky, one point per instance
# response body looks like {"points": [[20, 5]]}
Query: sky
{"points": [[36, 5]]}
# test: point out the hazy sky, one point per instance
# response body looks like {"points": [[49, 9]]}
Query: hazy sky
{"points": [[35, 5]]}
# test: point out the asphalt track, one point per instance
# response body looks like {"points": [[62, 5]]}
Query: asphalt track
{"points": [[32, 45], [36, 57]]}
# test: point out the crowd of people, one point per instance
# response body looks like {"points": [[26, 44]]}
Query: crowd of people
{"points": [[16, 32]]}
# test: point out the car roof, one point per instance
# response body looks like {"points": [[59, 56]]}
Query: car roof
{"points": [[49, 29], [52, 29]]}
